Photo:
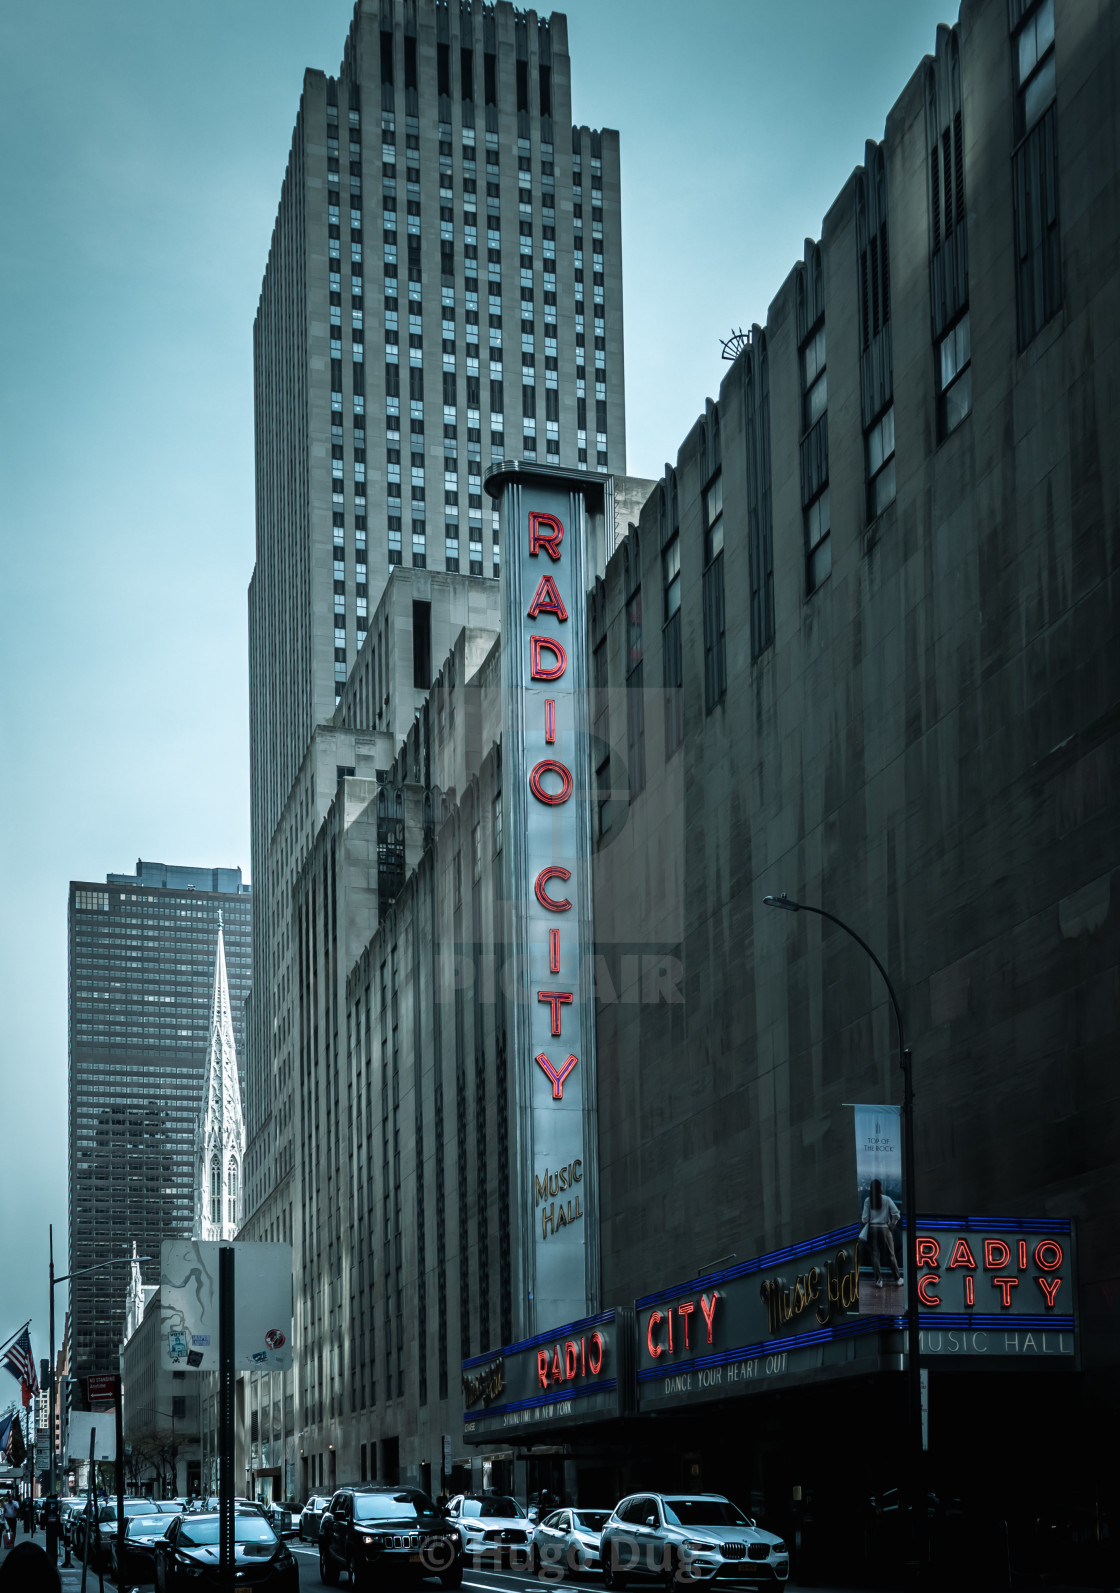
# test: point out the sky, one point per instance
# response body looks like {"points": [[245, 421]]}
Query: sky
{"points": [[143, 146]]}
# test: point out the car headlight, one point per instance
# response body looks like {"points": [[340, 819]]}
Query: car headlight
{"points": [[779, 1548], [368, 1537], [697, 1548], [284, 1559]]}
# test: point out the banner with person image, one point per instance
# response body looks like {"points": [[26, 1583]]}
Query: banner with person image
{"points": [[878, 1131]]}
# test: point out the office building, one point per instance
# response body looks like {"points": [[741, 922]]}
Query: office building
{"points": [[859, 647], [141, 954], [443, 288]]}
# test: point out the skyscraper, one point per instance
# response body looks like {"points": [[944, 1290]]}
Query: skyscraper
{"points": [[443, 289], [141, 949]]}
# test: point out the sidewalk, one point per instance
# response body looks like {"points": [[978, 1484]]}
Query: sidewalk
{"points": [[71, 1579]]}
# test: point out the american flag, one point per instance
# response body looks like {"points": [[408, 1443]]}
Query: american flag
{"points": [[21, 1363]]}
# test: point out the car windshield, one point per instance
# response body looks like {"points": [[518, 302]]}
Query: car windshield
{"points": [[146, 1526], [704, 1513], [132, 1507], [391, 1506], [495, 1506], [591, 1520], [247, 1528]]}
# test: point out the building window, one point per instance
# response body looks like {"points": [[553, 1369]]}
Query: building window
{"points": [[711, 503], [880, 464], [635, 681], [215, 1192], [814, 458], [1035, 171], [954, 354], [497, 823], [476, 853], [231, 1193], [603, 795], [671, 654]]}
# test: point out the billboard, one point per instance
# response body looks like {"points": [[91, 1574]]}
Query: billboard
{"points": [[188, 1301], [577, 1373], [547, 822]]}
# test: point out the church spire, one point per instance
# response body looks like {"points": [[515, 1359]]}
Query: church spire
{"points": [[220, 1135]]}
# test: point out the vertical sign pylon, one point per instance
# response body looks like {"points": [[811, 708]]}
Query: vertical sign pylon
{"points": [[546, 795]]}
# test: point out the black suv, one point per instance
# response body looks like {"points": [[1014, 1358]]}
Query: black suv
{"points": [[388, 1532]]}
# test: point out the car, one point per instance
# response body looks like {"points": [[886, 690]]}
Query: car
{"points": [[385, 1532], [187, 1557], [141, 1533], [310, 1515], [104, 1528], [688, 1537], [491, 1524], [568, 1540], [70, 1512], [171, 1507]]}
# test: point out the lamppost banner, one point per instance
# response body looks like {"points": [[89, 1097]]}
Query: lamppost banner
{"points": [[878, 1135]]}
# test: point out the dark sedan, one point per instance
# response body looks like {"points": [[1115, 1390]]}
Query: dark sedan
{"points": [[311, 1515], [187, 1559], [141, 1534]]}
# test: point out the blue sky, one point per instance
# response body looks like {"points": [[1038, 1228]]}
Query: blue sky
{"points": [[143, 149]]}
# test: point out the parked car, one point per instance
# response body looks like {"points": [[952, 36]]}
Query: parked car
{"points": [[141, 1533], [104, 1527], [310, 1516], [568, 1540], [693, 1537], [490, 1523], [187, 1558], [171, 1507], [69, 1511], [387, 1533]]}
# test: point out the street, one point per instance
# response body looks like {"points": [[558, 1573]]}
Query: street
{"points": [[485, 1580]]}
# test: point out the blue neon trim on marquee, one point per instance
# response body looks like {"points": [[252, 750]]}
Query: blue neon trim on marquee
{"points": [[837, 1236], [606, 1386], [568, 1330]]}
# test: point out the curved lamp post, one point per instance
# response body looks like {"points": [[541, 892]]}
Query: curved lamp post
{"points": [[913, 1340]]}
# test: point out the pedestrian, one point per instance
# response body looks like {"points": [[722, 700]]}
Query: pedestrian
{"points": [[880, 1218], [11, 1516], [28, 1569]]}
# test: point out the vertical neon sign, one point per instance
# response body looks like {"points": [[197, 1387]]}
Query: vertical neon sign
{"points": [[546, 797]]}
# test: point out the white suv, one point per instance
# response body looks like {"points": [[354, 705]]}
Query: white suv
{"points": [[685, 1538]]}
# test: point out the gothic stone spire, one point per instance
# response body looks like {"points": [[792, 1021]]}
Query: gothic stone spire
{"points": [[220, 1135]]}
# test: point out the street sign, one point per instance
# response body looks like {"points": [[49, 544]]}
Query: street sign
{"points": [[102, 1388], [189, 1305], [82, 1423]]}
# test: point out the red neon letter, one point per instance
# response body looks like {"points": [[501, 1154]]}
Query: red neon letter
{"points": [[595, 1353], [571, 1360], [654, 1347], [1022, 1255], [686, 1311], [554, 951], [557, 1374], [928, 1252], [926, 1282], [547, 600], [549, 720], [1048, 1255], [550, 766], [996, 1254], [1049, 1287], [553, 871], [962, 1256], [556, 1075], [545, 531], [669, 1325], [542, 1368], [708, 1308], [557, 999], [539, 670], [969, 1289], [1005, 1286]]}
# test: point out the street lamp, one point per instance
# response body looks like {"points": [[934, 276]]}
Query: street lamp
{"points": [[65, 1278], [913, 1341]]}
